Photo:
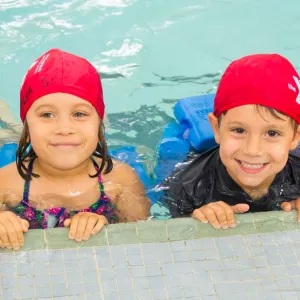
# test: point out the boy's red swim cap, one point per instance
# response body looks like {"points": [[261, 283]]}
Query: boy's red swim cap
{"points": [[57, 71], [265, 79]]}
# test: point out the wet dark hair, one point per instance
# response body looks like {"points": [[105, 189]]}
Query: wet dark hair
{"points": [[26, 154], [274, 112]]}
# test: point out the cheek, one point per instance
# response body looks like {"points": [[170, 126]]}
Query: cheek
{"points": [[229, 146], [279, 153]]}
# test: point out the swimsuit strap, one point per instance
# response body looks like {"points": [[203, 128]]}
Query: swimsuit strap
{"points": [[27, 183]]}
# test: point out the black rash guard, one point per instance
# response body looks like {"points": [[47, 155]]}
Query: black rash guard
{"points": [[205, 179]]}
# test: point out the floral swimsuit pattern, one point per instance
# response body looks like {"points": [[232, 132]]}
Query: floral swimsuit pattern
{"points": [[55, 217]]}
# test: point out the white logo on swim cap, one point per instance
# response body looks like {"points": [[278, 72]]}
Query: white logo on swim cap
{"points": [[297, 81], [32, 65]]}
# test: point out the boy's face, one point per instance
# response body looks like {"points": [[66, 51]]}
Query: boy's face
{"points": [[254, 145], [63, 130]]}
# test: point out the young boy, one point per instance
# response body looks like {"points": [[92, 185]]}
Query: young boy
{"points": [[255, 122]]}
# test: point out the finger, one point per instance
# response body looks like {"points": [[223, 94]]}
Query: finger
{"points": [[14, 231], [101, 223], [73, 227], [1, 244], [81, 226], [4, 237], [92, 221], [240, 208], [19, 232], [25, 225], [197, 214], [297, 206], [210, 215], [67, 222], [224, 214], [286, 206]]}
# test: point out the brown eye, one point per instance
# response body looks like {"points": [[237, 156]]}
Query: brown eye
{"points": [[238, 130], [273, 133]]}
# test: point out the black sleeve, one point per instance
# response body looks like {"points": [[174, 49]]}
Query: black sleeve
{"points": [[185, 189]]}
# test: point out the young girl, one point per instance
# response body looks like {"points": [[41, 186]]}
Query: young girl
{"points": [[62, 163]]}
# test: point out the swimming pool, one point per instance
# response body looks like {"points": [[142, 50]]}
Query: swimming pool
{"points": [[150, 54]]}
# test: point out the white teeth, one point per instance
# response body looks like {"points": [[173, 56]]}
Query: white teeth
{"points": [[251, 166]]}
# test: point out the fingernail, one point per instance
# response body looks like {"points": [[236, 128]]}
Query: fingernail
{"points": [[78, 240], [225, 227], [204, 222], [217, 227], [232, 225]]}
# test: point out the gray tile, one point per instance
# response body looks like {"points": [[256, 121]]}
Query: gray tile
{"points": [[154, 270], [7, 258], [263, 273], [275, 259], [226, 252], [285, 249], [200, 266], [141, 283], [204, 276], [208, 243], [8, 282], [206, 288], [92, 287], [144, 295], [60, 290], [111, 296], [194, 244], [70, 254], [184, 267], [124, 284], [284, 284], [180, 256], [290, 259], [135, 260], [256, 250], [74, 277], [268, 285], [281, 237], [109, 286], [122, 272], [85, 253], [260, 262], [188, 280], [223, 242], [253, 286], [133, 249], [241, 251], [165, 257], [190, 292], [215, 265], [293, 270], [94, 297], [212, 253], [175, 293], [197, 254], [24, 269], [42, 280], [150, 259], [237, 241], [169, 269], [157, 282], [43, 291], [139, 271], [11, 294], [252, 239], [173, 281], [87, 264], [230, 264], [90, 276], [126, 295], [106, 274], [27, 292], [53, 268], [159, 294], [245, 263], [279, 272], [25, 281], [76, 289], [267, 238], [288, 295], [178, 246]]}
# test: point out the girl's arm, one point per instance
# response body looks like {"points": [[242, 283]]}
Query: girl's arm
{"points": [[131, 201]]}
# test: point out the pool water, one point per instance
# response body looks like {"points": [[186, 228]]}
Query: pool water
{"points": [[149, 53]]}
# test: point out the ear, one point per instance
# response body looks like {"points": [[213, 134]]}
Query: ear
{"points": [[213, 120], [295, 140]]}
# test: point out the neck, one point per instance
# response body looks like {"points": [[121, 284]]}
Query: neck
{"points": [[46, 170]]}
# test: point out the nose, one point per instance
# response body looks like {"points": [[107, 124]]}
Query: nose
{"points": [[253, 146], [64, 126]]}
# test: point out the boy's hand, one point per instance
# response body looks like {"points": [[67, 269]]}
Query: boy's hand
{"points": [[219, 214], [83, 224], [288, 206], [11, 230]]}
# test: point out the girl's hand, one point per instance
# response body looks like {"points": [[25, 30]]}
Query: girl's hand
{"points": [[12, 230], [84, 224], [219, 214]]}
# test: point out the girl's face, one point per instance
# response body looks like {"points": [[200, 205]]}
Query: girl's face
{"points": [[63, 130]]}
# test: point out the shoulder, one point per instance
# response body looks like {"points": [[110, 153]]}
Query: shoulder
{"points": [[9, 176]]}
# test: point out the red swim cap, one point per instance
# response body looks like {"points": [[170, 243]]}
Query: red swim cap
{"points": [[265, 79], [57, 71]]}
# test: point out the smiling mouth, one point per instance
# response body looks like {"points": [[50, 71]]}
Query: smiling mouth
{"points": [[65, 145], [251, 168]]}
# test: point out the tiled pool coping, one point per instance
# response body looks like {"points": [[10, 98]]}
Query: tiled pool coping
{"points": [[161, 231]]}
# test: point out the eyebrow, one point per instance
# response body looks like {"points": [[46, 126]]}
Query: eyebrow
{"points": [[75, 106], [271, 126]]}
